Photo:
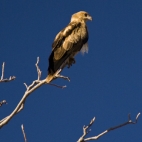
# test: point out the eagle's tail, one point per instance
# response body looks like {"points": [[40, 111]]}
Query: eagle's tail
{"points": [[49, 78]]}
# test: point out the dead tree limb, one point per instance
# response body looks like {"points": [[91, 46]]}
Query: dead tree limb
{"points": [[2, 76], [86, 131], [29, 89]]}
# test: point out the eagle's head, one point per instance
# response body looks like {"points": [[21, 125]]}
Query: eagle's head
{"points": [[81, 16]]}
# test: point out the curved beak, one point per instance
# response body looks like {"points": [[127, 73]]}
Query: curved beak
{"points": [[89, 18]]}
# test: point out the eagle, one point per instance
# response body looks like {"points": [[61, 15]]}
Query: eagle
{"points": [[67, 43]]}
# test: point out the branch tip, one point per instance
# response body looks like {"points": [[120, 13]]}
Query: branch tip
{"points": [[26, 85], [38, 69], [2, 76], [22, 127], [129, 116], [62, 87], [137, 116], [92, 121]]}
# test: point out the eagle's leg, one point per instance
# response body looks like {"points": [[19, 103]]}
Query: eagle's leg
{"points": [[70, 62]]}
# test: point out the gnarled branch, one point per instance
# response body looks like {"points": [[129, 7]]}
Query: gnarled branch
{"points": [[29, 89], [86, 131]]}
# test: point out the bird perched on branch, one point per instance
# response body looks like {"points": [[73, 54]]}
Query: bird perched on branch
{"points": [[67, 43]]}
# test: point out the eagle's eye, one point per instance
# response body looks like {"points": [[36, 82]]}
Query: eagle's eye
{"points": [[85, 14]]}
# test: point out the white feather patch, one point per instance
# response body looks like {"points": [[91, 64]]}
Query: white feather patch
{"points": [[84, 48]]}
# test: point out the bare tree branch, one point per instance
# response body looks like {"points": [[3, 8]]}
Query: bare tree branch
{"points": [[3, 102], [2, 76], [22, 127], [86, 131], [29, 89]]}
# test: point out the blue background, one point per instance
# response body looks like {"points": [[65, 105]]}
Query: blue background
{"points": [[105, 83]]}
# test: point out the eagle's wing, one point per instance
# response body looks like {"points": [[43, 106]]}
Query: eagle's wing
{"points": [[67, 42], [64, 41]]}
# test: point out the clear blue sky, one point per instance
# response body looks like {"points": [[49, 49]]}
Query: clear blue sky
{"points": [[105, 83]]}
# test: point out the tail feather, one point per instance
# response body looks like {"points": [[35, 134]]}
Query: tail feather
{"points": [[55, 65]]}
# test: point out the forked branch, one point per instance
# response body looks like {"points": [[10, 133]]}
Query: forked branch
{"points": [[29, 89], [2, 76], [86, 129]]}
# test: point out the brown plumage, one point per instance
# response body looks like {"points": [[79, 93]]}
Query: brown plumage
{"points": [[68, 43]]}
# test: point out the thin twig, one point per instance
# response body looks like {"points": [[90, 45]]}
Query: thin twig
{"points": [[22, 127], [38, 69], [85, 128], [26, 86], [2, 76], [62, 87], [2, 71]]}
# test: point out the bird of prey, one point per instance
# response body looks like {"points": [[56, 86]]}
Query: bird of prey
{"points": [[67, 43]]}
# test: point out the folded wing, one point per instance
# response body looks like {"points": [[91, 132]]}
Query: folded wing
{"points": [[67, 43]]}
